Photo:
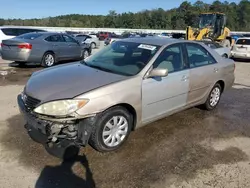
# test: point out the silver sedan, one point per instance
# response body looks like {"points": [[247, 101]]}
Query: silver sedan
{"points": [[126, 85], [221, 50], [45, 48]]}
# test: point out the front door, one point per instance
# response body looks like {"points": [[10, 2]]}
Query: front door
{"points": [[164, 95], [74, 49]]}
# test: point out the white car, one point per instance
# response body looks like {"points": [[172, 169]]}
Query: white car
{"points": [[89, 39], [241, 48], [223, 51], [8, 32]]}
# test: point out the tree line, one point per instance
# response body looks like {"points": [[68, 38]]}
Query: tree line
{"points": [[238, 17]]}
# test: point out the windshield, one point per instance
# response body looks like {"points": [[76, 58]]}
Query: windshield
{"points": [[206, 20], [124, 58]]}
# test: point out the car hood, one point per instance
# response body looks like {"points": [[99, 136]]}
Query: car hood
{"points": [[67, 81]]}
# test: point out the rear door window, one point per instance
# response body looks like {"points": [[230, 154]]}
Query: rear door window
{"points": [[243, 41], [198, 56], [54, 38]]}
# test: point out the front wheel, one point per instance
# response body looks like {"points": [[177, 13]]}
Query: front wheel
{"points": [[225, 55], [111, 130], [213, 98], [93, 45]]}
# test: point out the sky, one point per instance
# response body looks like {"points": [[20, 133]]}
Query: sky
{"points": [[45, 8]]}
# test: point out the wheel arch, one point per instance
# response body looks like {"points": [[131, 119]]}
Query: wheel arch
{"points": [[222, 84], [130, 109], [225, 55], [49, 51]]}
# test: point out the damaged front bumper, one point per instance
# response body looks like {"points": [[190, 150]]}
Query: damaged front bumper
{"points": [[57, 133]]}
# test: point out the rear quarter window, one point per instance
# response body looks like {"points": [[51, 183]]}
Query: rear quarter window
{"points": [[243, 41]]}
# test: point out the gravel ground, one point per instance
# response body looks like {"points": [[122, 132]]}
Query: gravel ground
{"points": [[190, 149]]}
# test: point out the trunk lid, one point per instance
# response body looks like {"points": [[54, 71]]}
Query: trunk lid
{"points": [[16, 45]]}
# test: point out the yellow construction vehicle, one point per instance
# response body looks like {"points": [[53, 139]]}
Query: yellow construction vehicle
{"points": [[212, 26]]}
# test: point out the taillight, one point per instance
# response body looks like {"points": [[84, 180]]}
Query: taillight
{"points": [[2, 44], [25, 46]]}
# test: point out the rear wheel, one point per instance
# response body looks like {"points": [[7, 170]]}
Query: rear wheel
{"points": [[213, 97], [48, 59]]}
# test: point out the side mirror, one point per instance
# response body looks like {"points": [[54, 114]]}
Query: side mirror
{"points": [[158, 72]]}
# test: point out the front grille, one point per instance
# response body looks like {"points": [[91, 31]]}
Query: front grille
{"points": [[30, 102]]}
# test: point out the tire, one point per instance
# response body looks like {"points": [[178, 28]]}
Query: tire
{"points": [[21, 64], [226, 43], [112, 143], [209, 104], [93, 45], [50, 61], [85, 54], [225, 55]]}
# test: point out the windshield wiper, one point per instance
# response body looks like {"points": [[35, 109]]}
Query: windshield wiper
{"points": [[98, 67]]}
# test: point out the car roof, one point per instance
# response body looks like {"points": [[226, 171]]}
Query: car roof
{"points": [[48, 33], [159, 41]]}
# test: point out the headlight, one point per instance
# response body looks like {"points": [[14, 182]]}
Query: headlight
{"points": [[60, 108]]}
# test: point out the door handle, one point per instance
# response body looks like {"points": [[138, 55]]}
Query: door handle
{"points": [[216, 69], [55, 45], [184, 78]]}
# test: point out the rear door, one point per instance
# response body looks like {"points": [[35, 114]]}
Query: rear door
{"points": [[74, 49], [204, 70]]}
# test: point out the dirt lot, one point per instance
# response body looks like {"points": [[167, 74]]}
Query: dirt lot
{"points": [[190, 149]]}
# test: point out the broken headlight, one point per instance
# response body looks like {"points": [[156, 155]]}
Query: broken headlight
{"points": [[61, 107]]}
